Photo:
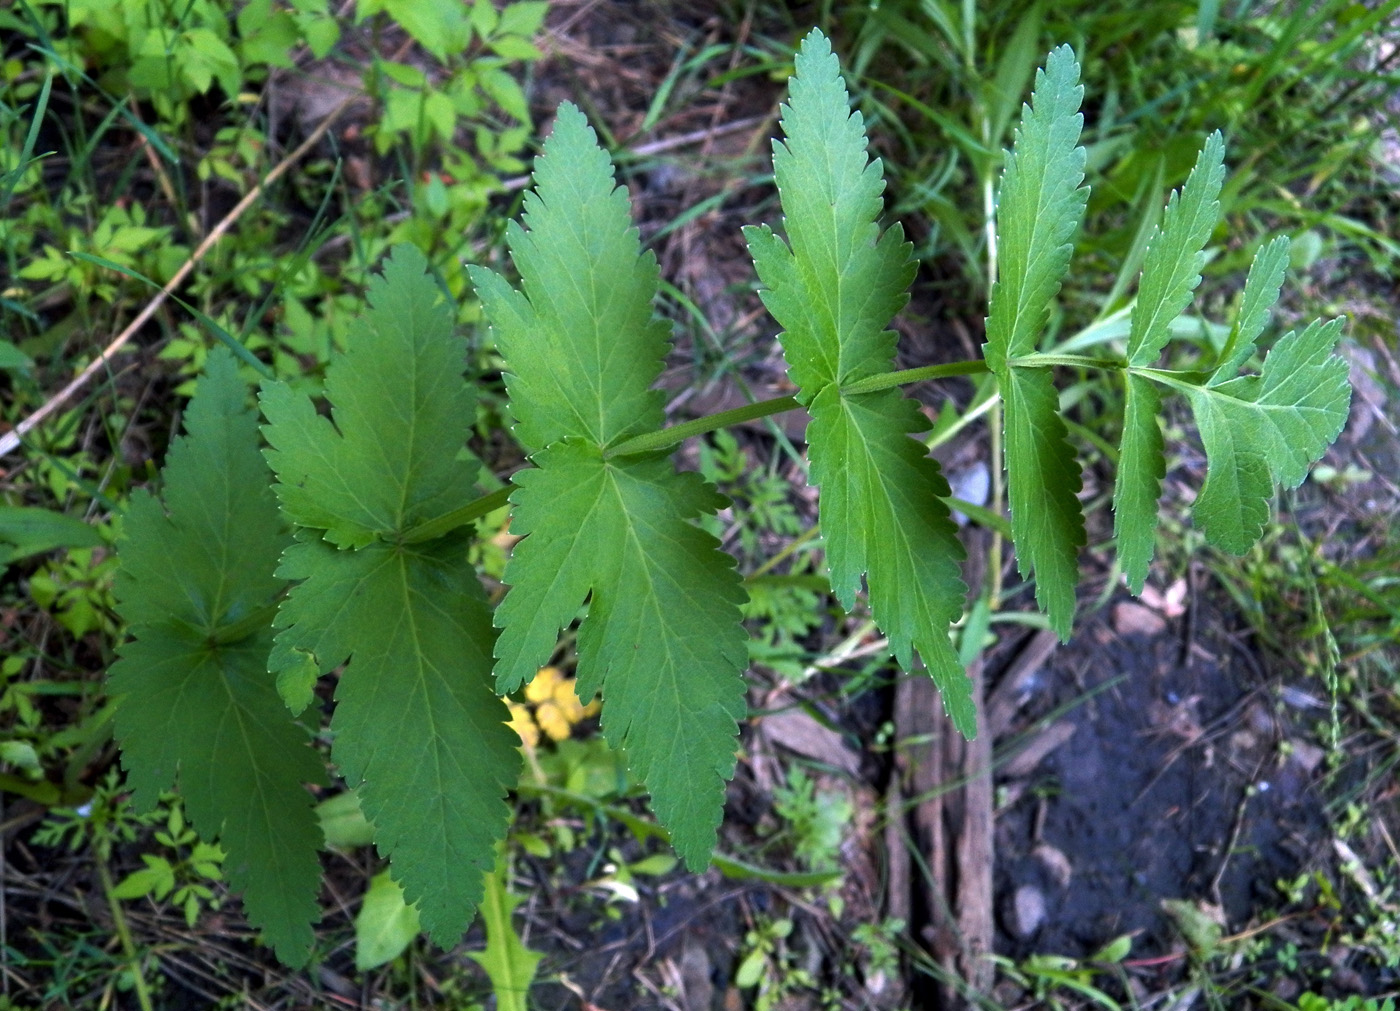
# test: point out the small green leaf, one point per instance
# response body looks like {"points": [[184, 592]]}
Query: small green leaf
{"points": [[296, 682], [26, 530], [1176, 253], [440, 28], [385, 925], [12, 359], [344, 824], [205, 711]]}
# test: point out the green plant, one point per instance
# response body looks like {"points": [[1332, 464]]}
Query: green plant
{"points": [[381, 496], [768, 966], [815, 820], [1316, 1002], [187, 881]]}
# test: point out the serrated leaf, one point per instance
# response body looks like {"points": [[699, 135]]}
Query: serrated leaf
{"points": [[1232, 506], [387, 457], [1261, 290], [1171, 269], [418, 732], [1046, 520], [1038, 211], [882, 513], [662, 639], [837, 290], [1141, 467], [1266, 428], [834, 287], [198, 705], [581, 343]]}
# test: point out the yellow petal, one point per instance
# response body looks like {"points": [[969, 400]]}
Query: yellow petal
{"points": [[521, 723], [541, 688], [566, 695], [552, 720]]}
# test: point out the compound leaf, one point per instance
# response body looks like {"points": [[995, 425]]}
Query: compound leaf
{"points": [[1266, 428], [1039, 208], [198, 706], [662, 639], [418, 732], [834, 287]]}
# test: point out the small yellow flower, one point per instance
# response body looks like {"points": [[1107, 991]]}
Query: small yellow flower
{"points": [[557, 706]]}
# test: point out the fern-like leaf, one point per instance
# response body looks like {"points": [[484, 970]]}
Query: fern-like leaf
{"points": [[198, 707], [834, 286], [662, 639], [418, 732]]}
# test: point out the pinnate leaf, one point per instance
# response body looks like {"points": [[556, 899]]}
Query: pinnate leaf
{"points": [[418, 732], [662, 639], [1039, 209], [197, 704], [834, 286]]}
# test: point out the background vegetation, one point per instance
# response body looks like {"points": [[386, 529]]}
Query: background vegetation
{"points": [[259, 157]]}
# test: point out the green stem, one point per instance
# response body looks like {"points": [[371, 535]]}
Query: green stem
{"points": [[447, 522], [245, 626], [668, 437], [651, 442], [1186, 382], [888, 380], [138, 978], [1039, 361]]}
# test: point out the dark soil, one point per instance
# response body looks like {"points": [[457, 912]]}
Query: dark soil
{"points": [[1173, 786]]}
